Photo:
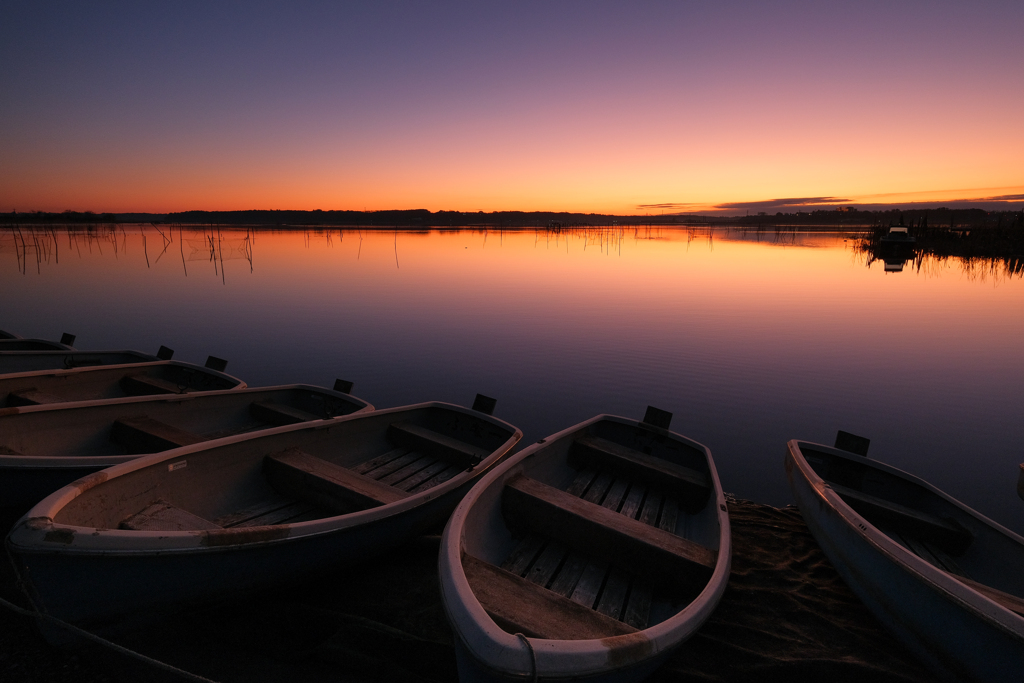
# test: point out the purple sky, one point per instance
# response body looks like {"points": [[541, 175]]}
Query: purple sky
{"points": [[486, 106]]}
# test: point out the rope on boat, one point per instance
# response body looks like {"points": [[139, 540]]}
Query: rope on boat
{"points": [[533, 657], [39, 616]]}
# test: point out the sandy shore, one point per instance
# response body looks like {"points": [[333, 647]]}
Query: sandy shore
{"points": [[786, 616]]}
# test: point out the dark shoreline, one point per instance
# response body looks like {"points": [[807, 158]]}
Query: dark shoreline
{"points": [[786, 616], [838, 218]]}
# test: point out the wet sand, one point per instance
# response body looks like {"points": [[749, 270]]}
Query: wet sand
{"points": [[785, 616]]}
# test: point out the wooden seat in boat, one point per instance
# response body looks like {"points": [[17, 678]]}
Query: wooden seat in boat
{"points": [[430, 442], [947, 534], [302, 476], [143, 385], [935, 556], [278, 413], [618, 539], [692, 487], [610, 583], [520, 606], [143, 434]]}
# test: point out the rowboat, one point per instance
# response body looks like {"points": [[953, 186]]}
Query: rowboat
{"points": [[36, 361], [944, 579], [244, 512], [590, 555], [45, 447], [115, 381]]}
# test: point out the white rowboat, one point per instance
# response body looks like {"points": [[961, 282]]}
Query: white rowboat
{"points": [[213, 519], [112, 381], [943, 578], [36, 361], [45, 447], [590, 555]]}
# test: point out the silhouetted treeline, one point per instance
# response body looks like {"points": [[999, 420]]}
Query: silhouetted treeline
{"points": [[64, 217], [848, 217], [409, 218]]}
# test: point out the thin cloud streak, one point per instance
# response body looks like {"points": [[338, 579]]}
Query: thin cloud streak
{"points": [[984, 198], [789, 202]]}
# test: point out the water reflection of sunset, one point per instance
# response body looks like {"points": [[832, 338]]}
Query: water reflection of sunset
{"points": [[750, 338]]}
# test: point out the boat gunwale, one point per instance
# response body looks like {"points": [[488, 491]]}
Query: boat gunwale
{"points": [[104, 461], [553, 658], [29, 534], [57, 353], [953, 589], [238, 383]]}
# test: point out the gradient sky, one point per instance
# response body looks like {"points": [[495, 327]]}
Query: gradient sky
{"points": [[578, 106]]}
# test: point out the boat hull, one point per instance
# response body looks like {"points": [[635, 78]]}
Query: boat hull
{"points": [[957, 640], [82, 587], [110, 382], [472, 670], [486, 651], [80, 565], [12, 361], [55, 444]]}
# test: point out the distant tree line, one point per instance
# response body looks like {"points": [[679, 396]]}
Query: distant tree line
{"points": [[64, 217], [942, 217]]}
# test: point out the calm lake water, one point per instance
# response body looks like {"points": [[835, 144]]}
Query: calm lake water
{"points": [[748, 339]]}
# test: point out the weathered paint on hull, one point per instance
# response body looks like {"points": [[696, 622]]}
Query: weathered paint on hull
{"points": [[953, 641], [91, 588], [73, 429], [619, 659]]}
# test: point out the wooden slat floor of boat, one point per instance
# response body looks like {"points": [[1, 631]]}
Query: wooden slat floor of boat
{"points": [[907, 520], [164, 516], [425, 440], [276, 510], [689, 486], [401, 468], [926, 551], [933, 555], [438, 479], [938, 558], [586, 581], [408, 470]]}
